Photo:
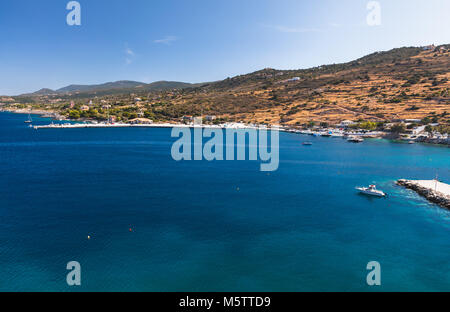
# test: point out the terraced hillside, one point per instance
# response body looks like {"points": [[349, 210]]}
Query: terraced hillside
{"points": [[404, 83]]}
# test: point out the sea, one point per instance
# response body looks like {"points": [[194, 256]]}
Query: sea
{"points": [[115, 201]]}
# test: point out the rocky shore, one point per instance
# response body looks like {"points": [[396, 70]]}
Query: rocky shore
{"points": [[433, 190]]}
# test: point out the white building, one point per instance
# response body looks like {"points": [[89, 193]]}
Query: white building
{"points": [[140, 121], [346, 123]]}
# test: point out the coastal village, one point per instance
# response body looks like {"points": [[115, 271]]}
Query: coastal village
{"points": [[426, 130], [402, 94], [408, 131]]}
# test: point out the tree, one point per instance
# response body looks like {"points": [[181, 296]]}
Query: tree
{"points": [[311, 124], [74, 114], [367, 125], [149, 115], [426, 121], [93, 113], [398, 128]]}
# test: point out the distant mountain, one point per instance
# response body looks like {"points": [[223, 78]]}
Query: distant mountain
{"points": [[123, 84], [116, 87], [45, 91], [167, 85]]}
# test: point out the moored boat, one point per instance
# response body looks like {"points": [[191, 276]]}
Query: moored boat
{"points": [[29, 120], [355, 139]]}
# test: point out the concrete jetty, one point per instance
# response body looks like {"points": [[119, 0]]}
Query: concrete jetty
{"points": [[151, 125], [435, 191]]}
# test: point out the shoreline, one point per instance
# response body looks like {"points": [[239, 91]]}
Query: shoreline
{"points": [[153, 125], [232, 125], [433, 190], [89, 124]]}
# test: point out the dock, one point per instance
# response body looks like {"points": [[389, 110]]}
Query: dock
{"points": [[435, 191], [105, 125]]}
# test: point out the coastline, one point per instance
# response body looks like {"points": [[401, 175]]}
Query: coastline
{"points": [[91, 124], [152, 125], [232, 125]]}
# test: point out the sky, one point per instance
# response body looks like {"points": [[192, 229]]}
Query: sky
{"points": [[199, 40]]}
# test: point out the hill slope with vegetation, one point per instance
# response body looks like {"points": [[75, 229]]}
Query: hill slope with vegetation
{"points": [[404, 83]]}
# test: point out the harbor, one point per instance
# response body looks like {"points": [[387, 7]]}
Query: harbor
{"points": [[352, 136], [342, 130], [86, 188]]}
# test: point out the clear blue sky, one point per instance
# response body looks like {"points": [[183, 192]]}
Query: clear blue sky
{"points": [[197, 40]]}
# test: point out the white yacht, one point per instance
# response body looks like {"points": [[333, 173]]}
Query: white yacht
{"points": [[371, 190], [337, 135]]}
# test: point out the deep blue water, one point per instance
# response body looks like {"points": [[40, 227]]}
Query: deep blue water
{"points": [[214, 226]]}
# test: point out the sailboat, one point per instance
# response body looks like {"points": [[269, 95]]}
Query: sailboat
{"points": [[29, 120]]}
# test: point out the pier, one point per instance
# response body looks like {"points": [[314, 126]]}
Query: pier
{"points": [[106, 125], [150, 125], [433, 190]]}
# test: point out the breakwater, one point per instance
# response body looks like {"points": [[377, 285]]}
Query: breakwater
{"points": [[433, 190]]}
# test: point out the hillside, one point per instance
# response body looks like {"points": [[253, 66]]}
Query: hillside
{"points": [[401, 83], [404, 83]]}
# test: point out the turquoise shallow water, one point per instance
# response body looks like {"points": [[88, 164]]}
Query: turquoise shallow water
{"points": [[214, 226]]}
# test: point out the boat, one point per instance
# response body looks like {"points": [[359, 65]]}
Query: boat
{"points": [[307, 143], [371, 190], [355, 139], [29, 120], [326, 134], [411, 142]]}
